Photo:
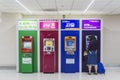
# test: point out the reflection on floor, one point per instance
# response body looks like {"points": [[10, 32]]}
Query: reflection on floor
{"points": [[111, 74]]}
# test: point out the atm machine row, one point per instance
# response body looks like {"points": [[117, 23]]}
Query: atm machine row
{"points": [[68, 61]]}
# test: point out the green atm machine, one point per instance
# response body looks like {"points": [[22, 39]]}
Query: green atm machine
{"points": [[27, 46], [27, 53]]}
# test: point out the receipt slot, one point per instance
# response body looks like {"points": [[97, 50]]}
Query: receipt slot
{"points": [[27, 53], [48, 55]]}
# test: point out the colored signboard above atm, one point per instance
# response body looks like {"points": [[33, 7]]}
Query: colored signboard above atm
{"points": [[27, 24], [70, 24], [91, 24], [49, 24]]}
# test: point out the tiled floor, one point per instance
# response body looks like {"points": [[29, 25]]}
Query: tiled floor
{"points": [[111, 74]]}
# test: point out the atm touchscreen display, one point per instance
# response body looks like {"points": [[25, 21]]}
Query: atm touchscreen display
{"points": [[70, 43], [49, 43], [27, 45]]}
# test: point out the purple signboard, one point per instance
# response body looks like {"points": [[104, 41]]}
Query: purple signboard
{"points": [[91, 24]]}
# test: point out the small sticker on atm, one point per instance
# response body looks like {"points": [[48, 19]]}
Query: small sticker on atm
{"points": [[26, 60], [70, 61]]}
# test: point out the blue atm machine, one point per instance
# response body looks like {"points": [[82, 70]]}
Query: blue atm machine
{"points": [[70, 46]]}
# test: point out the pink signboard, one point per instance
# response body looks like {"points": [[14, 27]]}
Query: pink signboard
{"points": [[48, 24]]}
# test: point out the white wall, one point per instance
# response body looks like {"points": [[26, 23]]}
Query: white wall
{"points": [[111, 38], [8, 39]]}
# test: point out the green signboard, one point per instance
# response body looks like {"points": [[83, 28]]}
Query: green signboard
{"points": [[27, 24]]}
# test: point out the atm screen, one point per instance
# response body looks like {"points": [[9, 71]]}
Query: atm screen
{"points": [[27, 45], [49, 43], [90, 38], [70, 43]]}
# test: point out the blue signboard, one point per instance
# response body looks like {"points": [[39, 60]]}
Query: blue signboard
{"points": [[69, 24]]}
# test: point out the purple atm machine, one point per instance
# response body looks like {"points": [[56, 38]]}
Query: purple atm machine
{"points": [[91, 31]]}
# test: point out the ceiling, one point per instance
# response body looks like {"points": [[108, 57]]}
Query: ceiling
{"points": [[60, 6]]}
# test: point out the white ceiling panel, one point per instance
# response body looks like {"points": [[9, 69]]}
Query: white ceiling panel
{"points": [[113, 6], [63, 5], [47, 4], [31, 4], [99, 5], [9, 5], [80, 5]]}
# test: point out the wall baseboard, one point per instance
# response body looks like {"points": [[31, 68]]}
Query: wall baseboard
{"points": [[14, 67], [7, 67], [112, 65]]}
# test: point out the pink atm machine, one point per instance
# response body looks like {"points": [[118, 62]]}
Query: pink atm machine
{"points": [[49, 55], [49, 46]]}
